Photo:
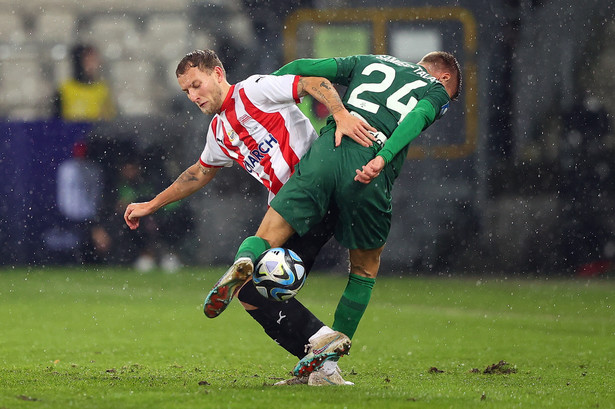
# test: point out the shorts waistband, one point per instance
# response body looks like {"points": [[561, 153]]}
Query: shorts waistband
{"points": [[378, 136]]}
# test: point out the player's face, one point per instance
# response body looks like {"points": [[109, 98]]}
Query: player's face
{"points": [[203, 89]]}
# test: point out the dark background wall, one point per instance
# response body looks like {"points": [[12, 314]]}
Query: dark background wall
{"points": [[535, 196]]}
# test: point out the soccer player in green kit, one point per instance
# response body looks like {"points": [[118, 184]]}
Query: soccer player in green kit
{"points": [[400, 100]]}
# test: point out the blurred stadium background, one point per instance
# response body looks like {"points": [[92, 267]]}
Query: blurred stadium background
{"points": [[518, 178]]}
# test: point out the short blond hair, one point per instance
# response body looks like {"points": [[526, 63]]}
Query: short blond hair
{"points": [[205, 60], [442, 60]]}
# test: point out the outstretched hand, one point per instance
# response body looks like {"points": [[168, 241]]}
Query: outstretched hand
{"points": [[369, 172], [353, 127], [134, 212]]}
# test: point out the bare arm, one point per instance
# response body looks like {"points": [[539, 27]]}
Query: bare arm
{"points": [[191, 180], [323, 91]]}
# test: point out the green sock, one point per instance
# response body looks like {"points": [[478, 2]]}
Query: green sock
{"points": [[353, 303], [252, 247]]}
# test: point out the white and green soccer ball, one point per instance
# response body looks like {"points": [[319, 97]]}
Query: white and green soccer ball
{"points": [[279, 274]]}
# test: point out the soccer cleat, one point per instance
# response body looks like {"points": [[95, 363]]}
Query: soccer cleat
{"points": [[320, 377], [221, 295], [325, 347], [333, 378], [295, 380]]}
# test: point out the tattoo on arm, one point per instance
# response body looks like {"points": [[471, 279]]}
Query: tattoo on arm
{"points": [[326, 94], [325, 85], [187, 176], [188, 182]]}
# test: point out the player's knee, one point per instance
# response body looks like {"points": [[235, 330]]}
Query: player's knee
{"points": [[364, 271], [365, 263]]}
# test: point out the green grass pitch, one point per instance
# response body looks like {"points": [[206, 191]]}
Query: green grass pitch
{"points": [[112, 338]]}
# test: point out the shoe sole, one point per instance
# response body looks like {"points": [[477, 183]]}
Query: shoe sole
{"points": [[221, 295], [309, 364]]}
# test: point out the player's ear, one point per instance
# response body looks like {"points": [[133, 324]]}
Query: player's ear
{"points": [[444, 77], [218, 73]]}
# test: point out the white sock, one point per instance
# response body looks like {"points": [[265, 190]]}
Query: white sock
{"points": [[322, 331]]}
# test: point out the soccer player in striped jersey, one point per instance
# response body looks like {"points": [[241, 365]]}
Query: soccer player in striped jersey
{"points": [[257, 124]]}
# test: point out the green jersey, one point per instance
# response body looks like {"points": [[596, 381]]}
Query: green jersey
{"points": [[383, 90], [397, 98]]}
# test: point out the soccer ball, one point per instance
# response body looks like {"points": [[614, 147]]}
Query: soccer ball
{"points": [[279, 274]]}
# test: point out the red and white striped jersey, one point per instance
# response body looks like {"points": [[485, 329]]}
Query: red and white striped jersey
{"points": [[261, 128]]}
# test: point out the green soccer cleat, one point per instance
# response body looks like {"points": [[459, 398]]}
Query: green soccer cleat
{"points": [[227, 286]]}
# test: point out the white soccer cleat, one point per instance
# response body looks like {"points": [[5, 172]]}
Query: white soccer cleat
{"points": [[328, 375], [322, 377], [227, 286], [328, 346]]}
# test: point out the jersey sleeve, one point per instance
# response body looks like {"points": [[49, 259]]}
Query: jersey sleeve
{"points": [[271, 92], [413, 124], [311, 67], [213, 156]]}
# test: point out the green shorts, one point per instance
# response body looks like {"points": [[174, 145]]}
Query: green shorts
{"points": [[323, 179]]}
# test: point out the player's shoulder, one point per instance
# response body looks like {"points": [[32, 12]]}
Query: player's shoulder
{"points": [[254, 87], [391, 60], [268, 89], [365, 59], [252, 82], [258, 80], [439, 98], [362, 61], [260, 84]]}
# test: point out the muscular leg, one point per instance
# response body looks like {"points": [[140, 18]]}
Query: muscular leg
{"points": [[309, 245], [274, 229], [364, 265], [289, 323], [365, 262]]}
